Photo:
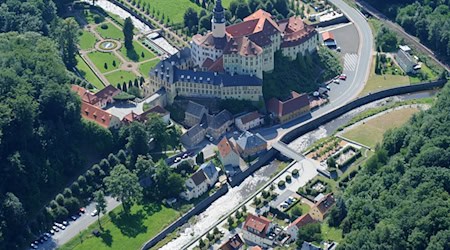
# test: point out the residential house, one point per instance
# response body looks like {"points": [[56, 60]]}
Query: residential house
{"points": [[99, 116], [321, 209], [196, 185], [233, 243], [193, 136], [194, 113], [165, 115], [250, 145], [405, 61], [328, 40], [211, 172], [229, 156], [219, 124], [248, 121], [105, 96], [100, 99], [256, 230], [293, 228], [296, 106]]}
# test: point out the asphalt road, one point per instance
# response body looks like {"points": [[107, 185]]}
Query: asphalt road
{"points": [[355, 81], [75, 227]]}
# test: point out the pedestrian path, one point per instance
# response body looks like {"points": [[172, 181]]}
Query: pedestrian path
{"points": [[350, 61]]}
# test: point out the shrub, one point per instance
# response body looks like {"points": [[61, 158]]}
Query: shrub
{"points": [[104, 26], [67, 192], [60, 199], [98, 19], [288, 178], [281, 184], [295, 172]]}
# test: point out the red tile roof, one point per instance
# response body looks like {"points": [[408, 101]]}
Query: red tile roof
{"points": [[207, 63], [295, 31], [257, 225], [234, 243], [217, 66], [96, 114], [144, 116], [327, 35], [250, 117], [303, 220], [107, 92], [225, 147], [85, 95], [242, 46], [295, 103]]}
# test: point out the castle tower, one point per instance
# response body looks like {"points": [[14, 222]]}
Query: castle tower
{"points": [[218, 25]]}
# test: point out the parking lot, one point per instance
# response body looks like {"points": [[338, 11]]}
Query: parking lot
{"points": [[75, 227]]}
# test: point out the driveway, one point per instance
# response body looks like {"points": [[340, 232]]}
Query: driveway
{"points": [[75, 227]]}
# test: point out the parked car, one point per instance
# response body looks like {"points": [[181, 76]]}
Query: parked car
{"points": [[52, 232], [94, 213], [336, 81], [74, 218], [185, 155], [65, 223], [328, 87], [82, 210], [316, 93], [343, 77], [55, 228], [178, 159], [60, 226], [284, 205], [48, 235], [33, 246]]}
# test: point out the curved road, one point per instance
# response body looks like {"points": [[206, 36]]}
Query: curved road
{"points": [[356, 80]]}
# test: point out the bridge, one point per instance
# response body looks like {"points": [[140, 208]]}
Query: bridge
{"points": [[287, 151]]}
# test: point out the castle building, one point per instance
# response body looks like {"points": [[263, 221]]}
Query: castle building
{"points": [[248, 48], [229, 61]]}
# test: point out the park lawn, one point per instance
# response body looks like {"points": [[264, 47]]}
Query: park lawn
{"points": [[331, 233], [120, 76], [379, 82], [100, 58], [111, 32], [87, 40], [136, 53], [371, 132], [125, 231], [88, 74], [145, 68], [174, 9]]}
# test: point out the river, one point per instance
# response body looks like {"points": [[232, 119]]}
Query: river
{"points": [[238, 194]]}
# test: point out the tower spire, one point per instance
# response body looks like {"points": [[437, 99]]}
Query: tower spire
{"points": [[219, 12]]}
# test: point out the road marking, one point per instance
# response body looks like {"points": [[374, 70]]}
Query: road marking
{"points": [[350, 61]]}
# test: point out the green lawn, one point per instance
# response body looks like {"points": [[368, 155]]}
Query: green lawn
{"points": [[371, 132], [100, 58], [138, 54], [331, 233], [146, 67], [379, 82], [111, 32], [125, 231], [120, 76], [87, 40], [304, 207], [87, 73], [174, 9]]}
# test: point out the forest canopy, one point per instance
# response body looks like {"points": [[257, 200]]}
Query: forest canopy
{"points": [[400, 200]]}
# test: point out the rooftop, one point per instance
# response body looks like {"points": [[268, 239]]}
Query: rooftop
{"points": [[195, 109], [326, 203], [256, 224], [302, 220], [96, 114], [220, 119], [295, 102], [248, 140], [198, 177], [234, 243], [225, 147], [246, 118]]}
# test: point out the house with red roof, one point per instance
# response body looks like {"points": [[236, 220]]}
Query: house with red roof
{"points": [[95, 114], [295, 106], [301, 221], [131, 117], [100, 99], [256, 230], [328, 40]]}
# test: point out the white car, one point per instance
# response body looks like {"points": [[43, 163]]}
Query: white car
{"points": [[94, 213]]}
